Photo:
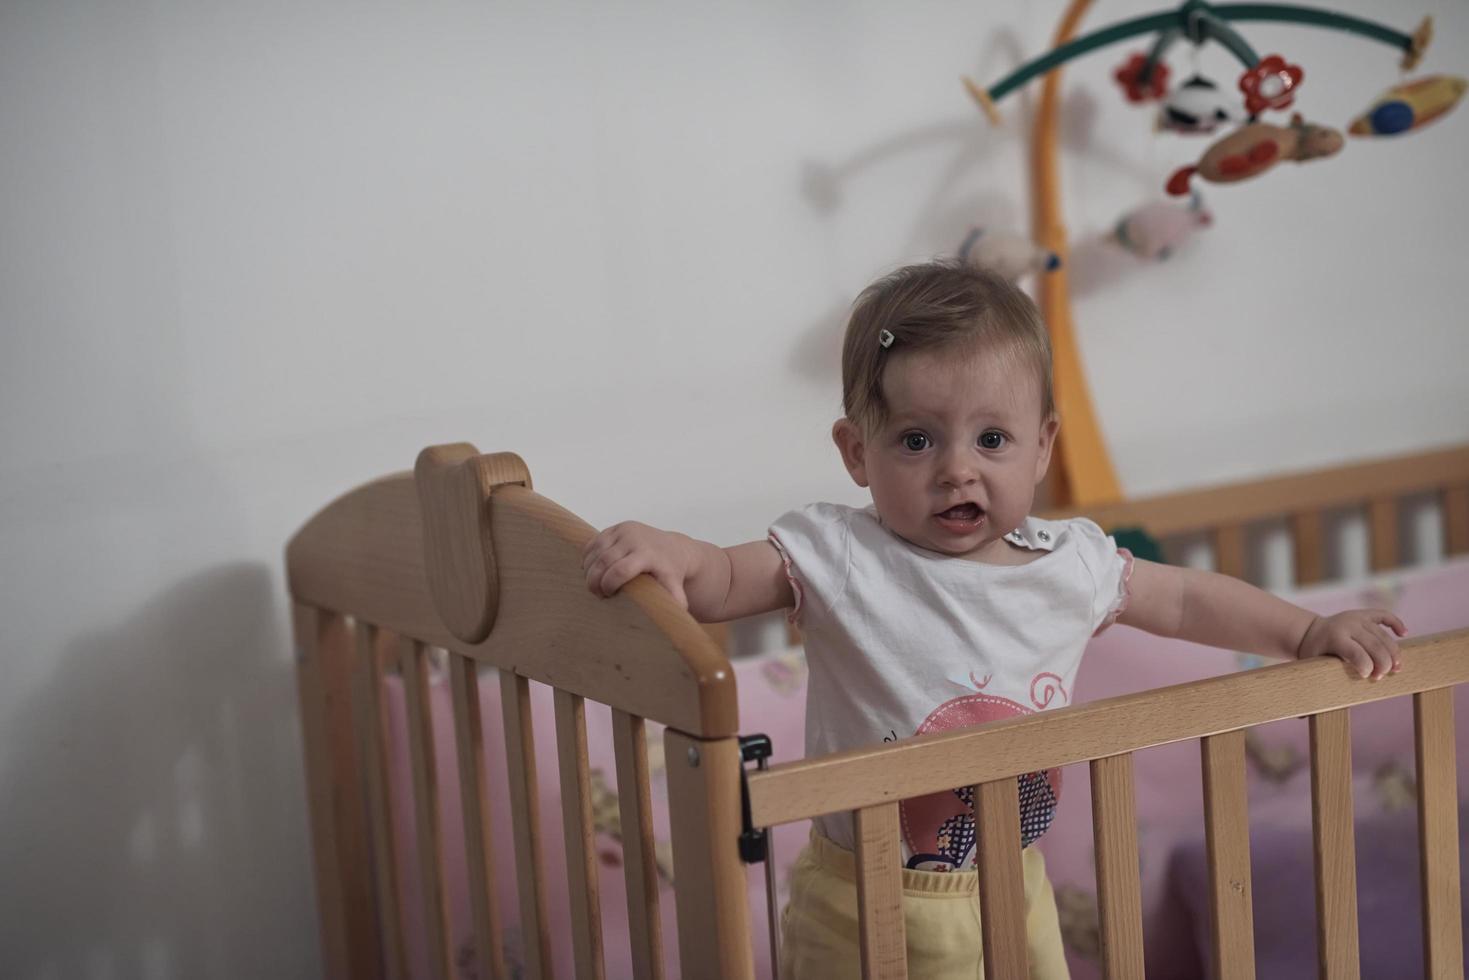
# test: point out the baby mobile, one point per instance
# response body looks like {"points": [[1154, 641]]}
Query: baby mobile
{"points": [[1197, 106], [1268, 84]]}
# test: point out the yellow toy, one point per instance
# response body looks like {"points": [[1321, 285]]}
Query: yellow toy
{"points": [[1409, 106]]}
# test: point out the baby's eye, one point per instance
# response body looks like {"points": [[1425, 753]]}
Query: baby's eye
{"points": [[991, 439], [915, 442]]}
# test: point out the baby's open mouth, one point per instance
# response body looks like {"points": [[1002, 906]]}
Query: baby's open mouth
{"points": [[962, 512]]}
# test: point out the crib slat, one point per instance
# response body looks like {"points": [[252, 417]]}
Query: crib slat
{"points": [[1227, 837], [880, 893], [640, 869], [1001, 879], [1308, 547], [474, 800], [1119, 886], [340, 835], [1456, 520], [525, 813], [581, 851], [1438, 834], [375, 648], [1334, 845], [1229, 550], [704, 816], [413, 662], [1382, 514]]}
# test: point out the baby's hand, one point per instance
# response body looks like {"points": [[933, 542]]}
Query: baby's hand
{"points": [[624, 551], [1355, 637]]}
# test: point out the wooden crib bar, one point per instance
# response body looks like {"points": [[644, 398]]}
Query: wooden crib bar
{"points": [[881, 929], [525, 812], [1308, 548], [704, 822], [629, 743], [576, 822], [375, 648], [1382, 518], [1001, 878], [1455, 503], [1227, 840], [1438, 834], [474, 800], [415, 670], [1333, 838], [1229, 550], [340, 837], [1119, 885]]}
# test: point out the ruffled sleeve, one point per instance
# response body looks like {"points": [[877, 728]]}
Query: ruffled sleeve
{"points": [[1111, 571], [815, 543]]}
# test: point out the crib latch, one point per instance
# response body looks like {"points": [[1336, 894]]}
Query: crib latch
{"points": [[754, 842]]}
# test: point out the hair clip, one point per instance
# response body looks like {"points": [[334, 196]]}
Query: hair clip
{"points": [[885, 338]]}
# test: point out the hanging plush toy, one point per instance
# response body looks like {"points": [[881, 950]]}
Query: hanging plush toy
{"points": [[1254, 148], [1009, 253], [1196, 106], [1157, 229], [1410, 106]]}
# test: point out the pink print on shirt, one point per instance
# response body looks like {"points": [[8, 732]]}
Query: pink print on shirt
{"points": [[939, 829]]}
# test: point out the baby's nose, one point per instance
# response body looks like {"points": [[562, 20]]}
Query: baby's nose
{"points": [[958, 470]]}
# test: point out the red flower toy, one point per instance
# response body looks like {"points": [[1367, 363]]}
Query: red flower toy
{"points": [[1271, 84], [1130, 77]]}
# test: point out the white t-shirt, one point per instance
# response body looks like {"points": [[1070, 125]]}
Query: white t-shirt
{"points": [[903, 641]]}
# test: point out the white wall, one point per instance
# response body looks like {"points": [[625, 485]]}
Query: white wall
{"points": [[253, 254]]}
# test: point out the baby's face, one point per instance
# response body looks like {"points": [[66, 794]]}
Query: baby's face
{"points": [[955, 466]]}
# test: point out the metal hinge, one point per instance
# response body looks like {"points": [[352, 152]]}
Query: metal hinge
{"points": [[754, 842]]}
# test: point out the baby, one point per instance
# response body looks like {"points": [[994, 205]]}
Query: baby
{"points": [[945, 604]]}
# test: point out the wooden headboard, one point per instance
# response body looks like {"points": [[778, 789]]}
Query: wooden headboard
{"points": [[1304, 500]]}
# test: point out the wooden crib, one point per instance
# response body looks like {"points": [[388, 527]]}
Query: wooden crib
{"points": [[463, 555]]}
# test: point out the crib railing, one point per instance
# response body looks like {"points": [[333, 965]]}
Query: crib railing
{"points": [[1217, 712], [467, 559], [1222, 514]]}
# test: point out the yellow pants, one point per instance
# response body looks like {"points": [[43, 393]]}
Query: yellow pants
{"points": [[940, 913]]}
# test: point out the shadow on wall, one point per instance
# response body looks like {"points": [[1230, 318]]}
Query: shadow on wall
{"points": [[945, 211], [949, 208], [145, 852], [817, 351]]}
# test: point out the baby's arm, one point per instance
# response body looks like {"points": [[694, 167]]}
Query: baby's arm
{"points": [[714, 584], [1221, 611]]}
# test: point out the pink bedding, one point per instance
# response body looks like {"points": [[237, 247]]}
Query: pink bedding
{"points": [[772, 688], [1169, 797]]}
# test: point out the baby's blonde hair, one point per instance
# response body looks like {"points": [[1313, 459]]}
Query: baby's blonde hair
{"points": [[932, 306]]}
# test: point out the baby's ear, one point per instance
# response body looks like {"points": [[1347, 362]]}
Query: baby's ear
{"points": [[1049, 428], [848, 437]]}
